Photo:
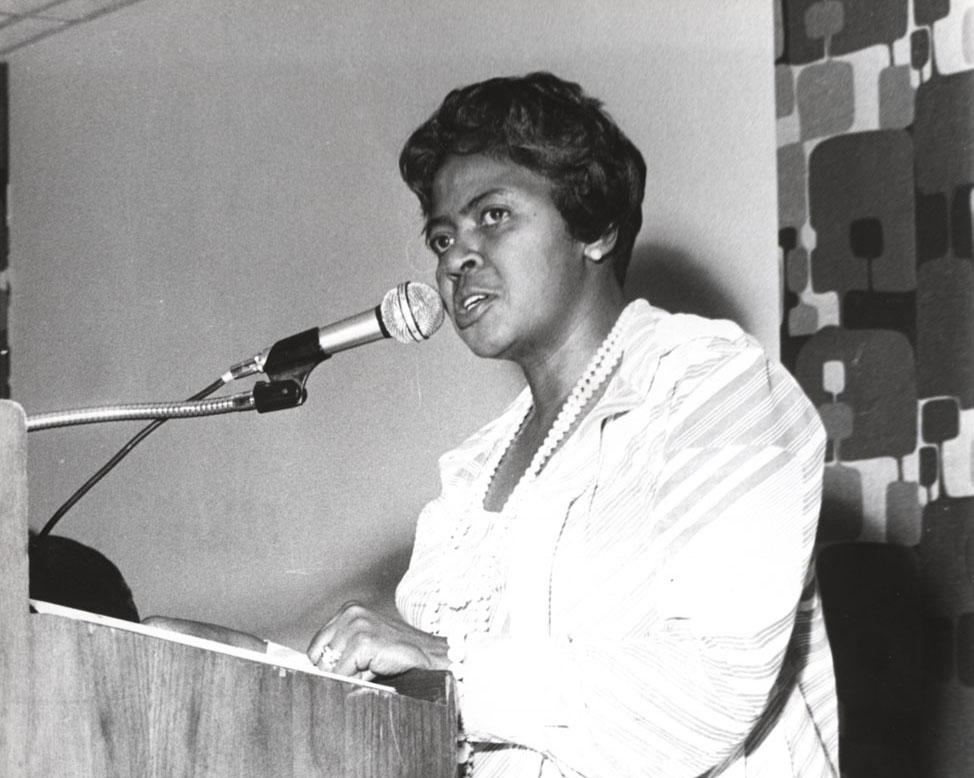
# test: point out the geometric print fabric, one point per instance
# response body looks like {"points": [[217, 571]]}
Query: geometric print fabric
{"points": [[875, 114]]}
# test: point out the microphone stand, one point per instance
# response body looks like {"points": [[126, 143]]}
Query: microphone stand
{"points": [[405, 316], [287, 363], [264, 397]]}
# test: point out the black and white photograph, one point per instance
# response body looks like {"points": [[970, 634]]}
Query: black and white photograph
{"points": [[509, 390]]}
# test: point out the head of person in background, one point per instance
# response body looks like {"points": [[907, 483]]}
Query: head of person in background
{"points": [[66, 572]]}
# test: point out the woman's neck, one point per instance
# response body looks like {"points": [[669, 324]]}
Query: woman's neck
{"points": [[552, 377], [545, 428]]}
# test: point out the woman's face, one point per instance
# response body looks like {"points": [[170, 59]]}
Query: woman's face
{"points": [[509, 272]]}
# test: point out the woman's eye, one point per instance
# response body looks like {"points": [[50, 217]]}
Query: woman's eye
{"points": [[439, 243], [494, 215]]}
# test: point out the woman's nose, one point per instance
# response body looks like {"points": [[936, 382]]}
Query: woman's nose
{"points": [[462, 257]]}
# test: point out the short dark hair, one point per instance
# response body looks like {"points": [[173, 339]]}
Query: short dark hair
{"points": [[66, 572], [553, 128]]}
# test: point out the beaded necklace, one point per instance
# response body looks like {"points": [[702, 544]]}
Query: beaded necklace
{"points": [[599, 368], [468, 606]]}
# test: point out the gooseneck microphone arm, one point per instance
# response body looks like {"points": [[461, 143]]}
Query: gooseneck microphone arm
{"points": [[411, 312], [135, 411]]}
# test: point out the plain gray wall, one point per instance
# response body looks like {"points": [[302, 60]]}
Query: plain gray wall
{"points": [[191, 182]]}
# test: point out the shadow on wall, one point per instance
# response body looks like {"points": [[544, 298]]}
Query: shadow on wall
{"points": [[670, 279]]}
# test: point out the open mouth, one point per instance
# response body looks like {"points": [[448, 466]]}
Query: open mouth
{"points": [[469, 308], [472, 301]]}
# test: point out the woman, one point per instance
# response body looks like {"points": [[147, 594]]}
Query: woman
{"points": [[618, 568]]}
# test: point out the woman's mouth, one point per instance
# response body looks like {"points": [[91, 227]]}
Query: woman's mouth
{"points": [[469, 308], [473, 300]]}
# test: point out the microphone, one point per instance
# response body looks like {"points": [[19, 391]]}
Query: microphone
{"points": [[409, 313]]}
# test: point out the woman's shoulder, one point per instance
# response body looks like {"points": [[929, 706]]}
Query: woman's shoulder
{"points": [[711, 369], [682, 345], [693, 333], [684, 356]]}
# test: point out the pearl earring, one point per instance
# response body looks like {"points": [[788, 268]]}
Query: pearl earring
{"points": [[595, 255]]}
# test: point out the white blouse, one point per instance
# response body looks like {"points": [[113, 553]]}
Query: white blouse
{"points": [[651, 608]]}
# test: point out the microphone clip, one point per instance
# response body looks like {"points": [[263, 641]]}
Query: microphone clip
{"points": [[277, 395], [288, 364]]}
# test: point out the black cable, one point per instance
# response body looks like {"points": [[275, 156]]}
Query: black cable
{"points": [[122, 453]]}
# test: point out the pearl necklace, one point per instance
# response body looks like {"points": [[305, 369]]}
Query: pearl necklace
{"points": [[473, 603], [599, 368]]}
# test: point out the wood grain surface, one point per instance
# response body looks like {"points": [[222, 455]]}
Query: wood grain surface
{"points": [[87, 699]]}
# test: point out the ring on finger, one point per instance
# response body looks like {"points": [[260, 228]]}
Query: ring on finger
{"points": [[328, 659]]}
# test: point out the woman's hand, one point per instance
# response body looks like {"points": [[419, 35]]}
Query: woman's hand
{"points": [[365, 643]]}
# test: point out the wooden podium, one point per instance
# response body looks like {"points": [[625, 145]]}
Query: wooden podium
{"points": [[90, 700]]}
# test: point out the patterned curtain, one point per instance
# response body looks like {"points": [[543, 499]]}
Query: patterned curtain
{"points": [[875, 107]]}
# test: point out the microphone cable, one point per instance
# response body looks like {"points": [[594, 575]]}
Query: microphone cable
{"points": [[119, 456], [409, 312]]}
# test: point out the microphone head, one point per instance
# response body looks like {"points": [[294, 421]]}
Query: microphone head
{"points": [[411, 312]]}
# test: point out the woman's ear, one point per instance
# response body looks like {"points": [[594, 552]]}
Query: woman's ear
{"points": [[599, 249]]}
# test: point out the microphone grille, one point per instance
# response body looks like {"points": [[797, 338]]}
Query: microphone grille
{"points": [[412, 311]]}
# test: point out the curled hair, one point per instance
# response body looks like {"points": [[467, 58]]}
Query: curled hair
{"points": [[553, 128]]}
